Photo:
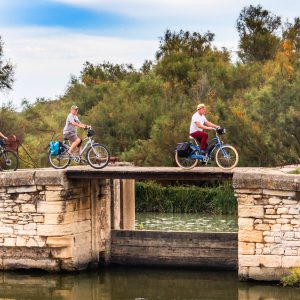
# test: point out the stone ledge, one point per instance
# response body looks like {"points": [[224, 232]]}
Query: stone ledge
{"points": [[266, 180]]}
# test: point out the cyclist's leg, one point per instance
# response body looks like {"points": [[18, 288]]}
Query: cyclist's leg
{"points": [[201, 138], [75, 140]]}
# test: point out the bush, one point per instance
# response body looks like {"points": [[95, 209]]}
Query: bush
{"points": [[153, 197], [292, 279]]}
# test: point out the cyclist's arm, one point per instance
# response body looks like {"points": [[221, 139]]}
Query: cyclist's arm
{"points": [[203, 126], [80, 125], [3, 136], [210, 124]]}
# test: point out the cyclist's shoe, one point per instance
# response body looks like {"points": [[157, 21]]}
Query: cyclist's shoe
{"points": [[203, 153]]}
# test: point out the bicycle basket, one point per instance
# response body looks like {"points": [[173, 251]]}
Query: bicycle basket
{"points": [[183, 149], [12, 143], [221, 130], [90, 132]]}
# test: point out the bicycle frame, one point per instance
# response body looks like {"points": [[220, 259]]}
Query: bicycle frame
{"points": [[213, 145], [90, 142]]}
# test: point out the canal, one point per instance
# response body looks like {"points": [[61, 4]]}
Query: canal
{"points": [[138, 284]]}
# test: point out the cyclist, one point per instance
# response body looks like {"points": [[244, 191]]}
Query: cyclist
{"points": [[70, 129], [3, 137], [198, 124]]}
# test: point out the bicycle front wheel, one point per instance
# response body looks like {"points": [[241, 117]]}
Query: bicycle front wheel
{"points": [[60, 161], [228, 158], [9, 161], [98, 156], [186, 163]]}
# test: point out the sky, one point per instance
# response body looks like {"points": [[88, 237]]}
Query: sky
{"points": [[49, 40]]}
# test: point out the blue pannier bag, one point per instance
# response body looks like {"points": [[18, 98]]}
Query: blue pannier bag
{"points": [[55, 148]]}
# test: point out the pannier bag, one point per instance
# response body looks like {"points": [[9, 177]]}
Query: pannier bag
{"points": [[55, 147], [12, 143], [183, 149]]}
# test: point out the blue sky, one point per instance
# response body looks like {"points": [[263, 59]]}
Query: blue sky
{"points": [[48, 40]]}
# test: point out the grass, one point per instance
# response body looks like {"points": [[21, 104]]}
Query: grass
{"points": [[153, 197]]}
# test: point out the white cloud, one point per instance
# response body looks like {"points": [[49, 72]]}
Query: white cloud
{"points": [[45, 58]]}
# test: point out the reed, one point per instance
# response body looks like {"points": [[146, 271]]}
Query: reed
{"points": [[153, 197]]}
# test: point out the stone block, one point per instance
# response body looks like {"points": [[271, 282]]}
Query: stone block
{"points": [[6, 229], [24, 197], [289, 202], [21, 189], [21, 241], [263, 227], [20, 178], [282, 210], [276, 227], [270, 211], [28, 208], [27, 232], [54, 196], [279, 182], [55, 207], [51, 177], [250, 211], [38, 219], [269, 239], [294, 211], [283, 221], [277, 251], [60, 241], [287, 227], [61, 218], [30, 226], [245, 223], [246, 248], [290, 252], [279, 193], [47, 264], [54, 230], [254, 236], [9, 242], [64, 252], [265, 274], [242, 180], [274, 200], [32, 243], [290, 261]]}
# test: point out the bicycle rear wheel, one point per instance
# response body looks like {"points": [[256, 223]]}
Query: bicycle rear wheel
{"points": [[98, 156], [60, 161], [227, 160], [9, 161], [185, 162]]}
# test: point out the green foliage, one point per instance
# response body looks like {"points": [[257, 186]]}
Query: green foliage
{"points": [[292, 279], [257, 30], [6, 71], [153, 197]]}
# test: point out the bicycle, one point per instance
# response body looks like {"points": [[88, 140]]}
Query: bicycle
{"points": [[226, 156], [9, 160], [97, 155]]}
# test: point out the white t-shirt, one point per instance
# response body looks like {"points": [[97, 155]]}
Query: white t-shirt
{"points": [[69, 128], [197, 118]]}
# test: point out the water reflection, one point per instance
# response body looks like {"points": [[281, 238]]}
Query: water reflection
{"points": [[137, 284], [186, 222]]}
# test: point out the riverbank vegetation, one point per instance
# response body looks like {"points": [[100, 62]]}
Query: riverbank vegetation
{"points": [[154, 197], [292, 279], [142, 113]]}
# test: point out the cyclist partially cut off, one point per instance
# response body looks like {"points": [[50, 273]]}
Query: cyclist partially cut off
{"points": [[70, 129]]}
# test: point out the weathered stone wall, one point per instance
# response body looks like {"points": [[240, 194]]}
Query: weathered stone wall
{"points": [[51, 223], [269, 232], [185, 249]]}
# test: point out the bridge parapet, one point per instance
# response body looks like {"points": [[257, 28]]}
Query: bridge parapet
{"points": [[268, 217]]}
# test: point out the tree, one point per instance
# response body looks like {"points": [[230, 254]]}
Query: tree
{"points": [[257, 30], [6, 71]]}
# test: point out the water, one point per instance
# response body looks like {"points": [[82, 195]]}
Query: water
{"points": [[138, 284], [185, 222]]}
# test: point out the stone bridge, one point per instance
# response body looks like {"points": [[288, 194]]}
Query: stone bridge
{"points": [[77, 218]]}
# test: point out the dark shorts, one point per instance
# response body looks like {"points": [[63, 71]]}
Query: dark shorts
{"points": [[72, 137]]}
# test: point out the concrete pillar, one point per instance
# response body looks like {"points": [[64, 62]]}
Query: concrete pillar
{"points": [[128, 204], [116, 203]]}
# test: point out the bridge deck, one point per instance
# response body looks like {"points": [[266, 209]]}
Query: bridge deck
{"points": [[158, 173]]}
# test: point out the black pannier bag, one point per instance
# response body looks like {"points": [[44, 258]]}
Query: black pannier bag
{"points": [[183, 149]]}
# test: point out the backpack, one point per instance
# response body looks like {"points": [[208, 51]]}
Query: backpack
{"points": [[183, 149], [55, 147]]}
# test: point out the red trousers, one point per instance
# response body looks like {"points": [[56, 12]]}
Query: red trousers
{"points": [[201, 138]]}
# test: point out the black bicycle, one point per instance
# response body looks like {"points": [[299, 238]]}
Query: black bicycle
{"points": [[9, 160]]}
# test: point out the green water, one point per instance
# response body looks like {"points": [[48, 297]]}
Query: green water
{"points": [[185, 222], [138, 284]]}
